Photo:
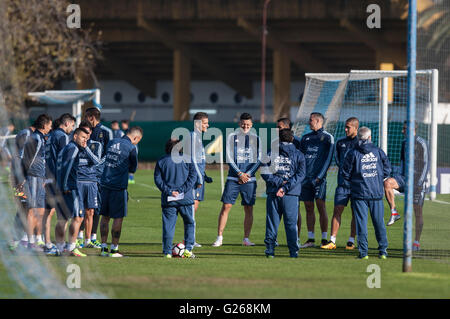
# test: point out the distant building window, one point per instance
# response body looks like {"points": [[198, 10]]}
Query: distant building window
{"points": [[165, 97], [118, 97], [214, 97], [141, 97], [237, 98]]}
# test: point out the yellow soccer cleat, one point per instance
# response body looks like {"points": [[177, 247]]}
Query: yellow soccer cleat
{"points": [[350, 246], [329, 246]]}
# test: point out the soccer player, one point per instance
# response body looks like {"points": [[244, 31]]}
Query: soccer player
{"points": [[342, 194], [102, 134], [318, 147], [283, 187], [398, 182], [117, 132], [198, 158], [88, 178], [125, 125], [120, 159], [66, 176], [33, 165], [243, 158], [57, 140], [363, 171], [175, 180]]}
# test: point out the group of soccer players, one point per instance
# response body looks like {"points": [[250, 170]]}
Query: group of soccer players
{"points": [[296, 172], [81, 174]]}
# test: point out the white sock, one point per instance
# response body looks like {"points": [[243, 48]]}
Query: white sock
{"points": [[333, 239], [221, 238], [80, 234], [351, 239], [246, 239], [32, 240], [93, 237], [114, 247], [394, 211], [72, 246], [38, 238], [60, 246], [104, 245], [86, 241], [324, 235], [310, 235], [24, 237]]}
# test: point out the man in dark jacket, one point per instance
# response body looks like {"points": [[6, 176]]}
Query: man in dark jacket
{"points": [[283, 177], [364, 170], [176, 180]]}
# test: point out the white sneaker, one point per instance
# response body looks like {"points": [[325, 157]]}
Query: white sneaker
{"points": [[197, 245], [393, 219], [247, 242], [217, 243]]}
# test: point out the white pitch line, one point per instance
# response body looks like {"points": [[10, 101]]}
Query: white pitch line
{"points": [[148, 186], [440, 202]]}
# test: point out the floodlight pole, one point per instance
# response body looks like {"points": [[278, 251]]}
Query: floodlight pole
{"points": [[411, 115]]}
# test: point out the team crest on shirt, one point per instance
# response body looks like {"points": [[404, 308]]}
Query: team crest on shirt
{"points": [[93, 147], [100, 135], [321, 139]]}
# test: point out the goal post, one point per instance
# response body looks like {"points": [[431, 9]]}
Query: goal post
{"points": [[364, 94]]}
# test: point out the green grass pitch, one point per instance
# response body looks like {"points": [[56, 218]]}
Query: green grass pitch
{"points": [[235, 271]]}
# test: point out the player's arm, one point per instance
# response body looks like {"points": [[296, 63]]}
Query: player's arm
{"points": [[423, 157], [231, 154], [347, 168], [159, 181], [64, 168], [268, 174], [93, 157], [329, 158], [194, 146], [252, 170], [29, 154], [133, 161], [299, 174], [190, 181]]}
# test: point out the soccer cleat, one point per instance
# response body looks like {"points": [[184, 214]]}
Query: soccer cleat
{"points": [[12, 246], [350, 245], [196, 245], [77, 253], [188, 254], [393, 219], [115, 253], [416, 247], [35, 248], [309, 243], [382, 256], [40, 244], [361, 257], [270, 256], [89, 245], [217, 243], [329, 246], [52, 251], [168, 256], [96, 244], [131, 181], [247, 242], [104, 252], [324, 242]]}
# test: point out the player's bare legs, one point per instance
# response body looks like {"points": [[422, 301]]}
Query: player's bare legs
{"points": [[336, 219], [39, 217], [419, 225], [104, 229], [196, 202], [389, 185], [223, 217], [310, 217], [73, 231], [46, 224], [323, 217], [248, 220], [116, 229], [88, 222], [31, 225]]}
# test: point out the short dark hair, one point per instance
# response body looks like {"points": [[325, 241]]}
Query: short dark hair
{"points": [[245, 116], [285, 121], [125, 121], [41, 121], [93, 111], [66, 117], [114, 122], [286, 135], [79, 130], [170, 144], [200, 116], [319, 115], [135, 129], [353, 120], [85, 124]]}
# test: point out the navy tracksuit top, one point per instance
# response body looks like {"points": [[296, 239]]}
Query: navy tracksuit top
{"points": [[243, 154], [170, 176], [33, 162], [90, 161], [56, 141], [102, 134], [364, 170], [120, 159], [318, 148], [288, 166], [67, 166], [343, 145]]}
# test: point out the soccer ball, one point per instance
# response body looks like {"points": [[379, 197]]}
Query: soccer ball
{"points": [[178, 250]]}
